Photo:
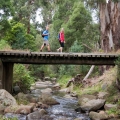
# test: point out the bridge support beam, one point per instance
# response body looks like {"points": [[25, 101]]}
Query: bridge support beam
{"points": [[6, 76]]}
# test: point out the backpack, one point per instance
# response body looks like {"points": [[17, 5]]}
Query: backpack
{"points": [[42, 33], [58, 36]]}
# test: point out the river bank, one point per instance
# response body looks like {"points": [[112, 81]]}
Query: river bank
{"points": [[48, 101]]}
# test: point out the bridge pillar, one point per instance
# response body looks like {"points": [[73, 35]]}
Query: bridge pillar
{"points": [[6, 76]]}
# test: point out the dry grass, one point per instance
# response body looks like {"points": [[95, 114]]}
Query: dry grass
{"points": [[94, 85]]}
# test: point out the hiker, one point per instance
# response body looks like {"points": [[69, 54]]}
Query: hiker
{"points": [[45, 35], [61, 40]]}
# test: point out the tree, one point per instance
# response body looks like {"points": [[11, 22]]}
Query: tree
{"points": [[75, 27], [110, 25], [5, 12], [18, 38]]}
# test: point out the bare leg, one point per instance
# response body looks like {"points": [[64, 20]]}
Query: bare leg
{"points": [[48, 47], [42, 47]]}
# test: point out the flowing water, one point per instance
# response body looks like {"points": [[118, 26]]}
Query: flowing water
{"points": [[63, 111], [66, 110]]}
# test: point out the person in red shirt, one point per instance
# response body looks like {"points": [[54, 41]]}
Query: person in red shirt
{"points": [[61, 40]]}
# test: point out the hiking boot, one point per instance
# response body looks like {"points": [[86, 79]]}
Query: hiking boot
{"points": [[40, 50]]}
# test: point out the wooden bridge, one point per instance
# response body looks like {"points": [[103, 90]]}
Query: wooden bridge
{"points": [[8, 58]]}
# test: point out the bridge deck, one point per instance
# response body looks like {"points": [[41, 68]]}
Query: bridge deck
{"points": [[58, 58]]}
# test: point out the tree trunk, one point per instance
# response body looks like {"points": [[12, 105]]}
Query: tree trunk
{"points": [[89, 73], [110, 25]]}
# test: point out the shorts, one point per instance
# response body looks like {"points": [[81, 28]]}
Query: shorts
{"points": [[61, 44], [46, 43]]}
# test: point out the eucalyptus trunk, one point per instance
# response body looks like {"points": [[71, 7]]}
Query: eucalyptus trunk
{"points": [[110, 25]]}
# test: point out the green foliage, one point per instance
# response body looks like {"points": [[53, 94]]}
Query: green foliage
{"points": [[4, 27], [88, 90], [22, 77], [18, 38], [22, 101], [4, 45], [117, 62], [113, 111], [76, 47], [4, 118], [112, 92], [64, 80], [6, 7], [78, 20]]}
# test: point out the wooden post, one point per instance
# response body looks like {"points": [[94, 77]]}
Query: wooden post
{"points": [[6, 75]]}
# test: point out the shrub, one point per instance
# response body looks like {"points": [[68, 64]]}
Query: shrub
{"points": [[22, 77], [4, 45]]}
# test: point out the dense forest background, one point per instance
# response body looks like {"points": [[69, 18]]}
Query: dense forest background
{"points": [[19, 30]]}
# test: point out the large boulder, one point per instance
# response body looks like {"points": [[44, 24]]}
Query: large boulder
{"points": [[20, 109], [36, 115], [93, 105], [109, 106], [85, 98], [6, 99], [65, 90], [41, 86], [26, 98], [2, 108], [47, 90], [47, 99], [98, 116], [102, 95]]}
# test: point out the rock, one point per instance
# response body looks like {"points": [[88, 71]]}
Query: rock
{"points": [[104, 86], [56, 87], [11, 109], [47, 78], [78, 119], [41, 86], [65, 90], [24, 109], [36, 115], [79, 110], [54, 80], [85, 98], [109, 106], [20, 109], [69, 96], [47, 90], [27, 98], [98, 116], [74, 95], [32, 105], [21, 96], [43, 106], [48, 82], [16, 89], [93, 105], [102, 95], [2, 108], [36, 91], [32, 88], [6, 99], [47, 99]]}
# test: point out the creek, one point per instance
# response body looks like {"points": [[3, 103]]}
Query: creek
{"points": [[63, 111]]}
